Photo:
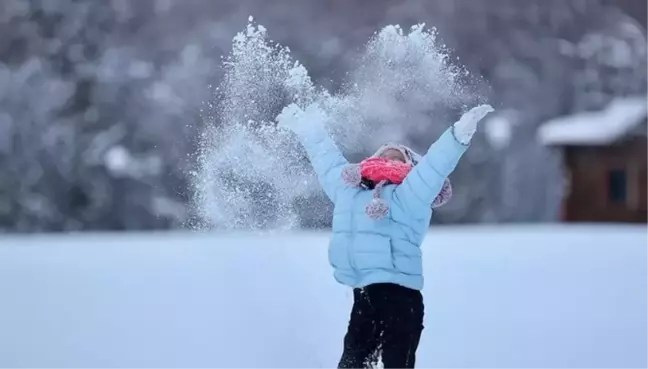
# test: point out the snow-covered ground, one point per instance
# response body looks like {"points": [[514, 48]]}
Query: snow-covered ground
{"points": [[546, 296]]}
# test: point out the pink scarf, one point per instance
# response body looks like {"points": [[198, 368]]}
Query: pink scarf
{"points": [[382, 171]]}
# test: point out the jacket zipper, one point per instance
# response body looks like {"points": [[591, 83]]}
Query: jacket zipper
{"points": [[351, 247]]}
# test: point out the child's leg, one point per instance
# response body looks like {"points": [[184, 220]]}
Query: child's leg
{"points": [[361, 339], [401, 316]]}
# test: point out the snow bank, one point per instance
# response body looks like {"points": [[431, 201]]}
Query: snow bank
{"points": [[595, 128], [495, 297]]}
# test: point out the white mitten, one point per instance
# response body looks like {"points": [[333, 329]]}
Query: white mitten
{"points": [[310, 120], [289, 116], [466, 126]]}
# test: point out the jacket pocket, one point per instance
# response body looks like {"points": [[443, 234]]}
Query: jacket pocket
{"points": [[407, 257], [372, 251], [338, 252]]}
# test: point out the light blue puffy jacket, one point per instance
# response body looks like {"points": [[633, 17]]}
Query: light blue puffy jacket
{"points": [[364, 251]]}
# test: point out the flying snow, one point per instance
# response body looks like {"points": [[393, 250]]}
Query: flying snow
{"points": [[250, 173]]}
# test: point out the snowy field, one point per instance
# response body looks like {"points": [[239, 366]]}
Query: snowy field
{"points": [[495, 297]]}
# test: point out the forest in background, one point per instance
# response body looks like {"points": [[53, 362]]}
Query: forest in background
{"points": [[100, 101]]}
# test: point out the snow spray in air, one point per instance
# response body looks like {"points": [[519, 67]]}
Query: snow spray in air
{"points": [[250, 174]]}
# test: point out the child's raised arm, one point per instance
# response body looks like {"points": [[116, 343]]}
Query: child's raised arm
{"points": [[326, 158], [424, 182]]}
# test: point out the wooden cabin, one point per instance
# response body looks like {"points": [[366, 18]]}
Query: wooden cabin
{"points": [[605, 162]]}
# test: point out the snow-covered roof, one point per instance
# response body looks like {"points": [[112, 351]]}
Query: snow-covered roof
{"points": [[596, 127]]}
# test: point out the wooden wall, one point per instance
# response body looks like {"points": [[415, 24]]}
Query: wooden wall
{"points": [[607, 184]]}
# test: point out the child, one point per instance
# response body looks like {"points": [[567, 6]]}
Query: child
{"points": [[382, 213]]}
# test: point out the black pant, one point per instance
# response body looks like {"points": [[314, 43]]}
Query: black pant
{"points": [[386, 322]]}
